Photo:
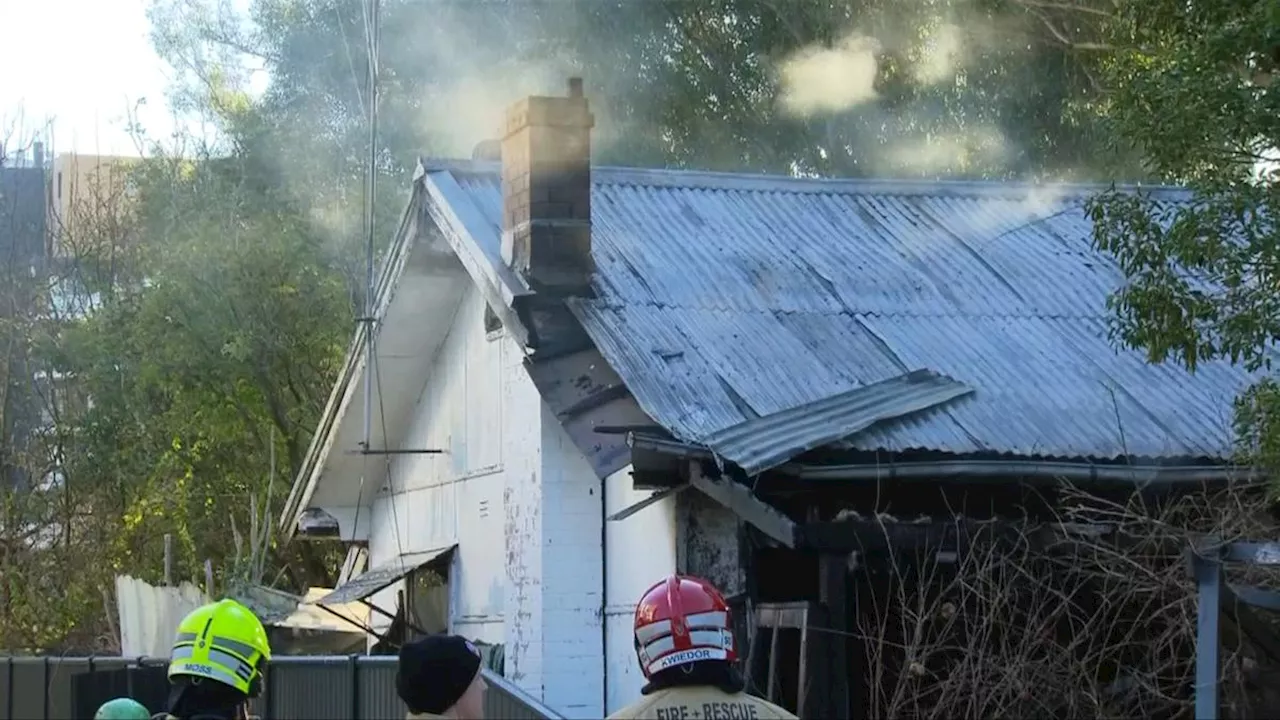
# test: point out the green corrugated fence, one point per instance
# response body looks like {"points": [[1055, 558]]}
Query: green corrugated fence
{"points": [[357, 687]]}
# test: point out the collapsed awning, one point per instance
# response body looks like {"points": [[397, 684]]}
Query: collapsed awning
{"points": [[362, 586]]}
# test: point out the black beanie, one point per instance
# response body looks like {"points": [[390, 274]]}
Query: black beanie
{"points": [[435, 671]]}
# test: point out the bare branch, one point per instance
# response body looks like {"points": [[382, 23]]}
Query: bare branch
{"points": [[1087, 615], [1069, 7]]}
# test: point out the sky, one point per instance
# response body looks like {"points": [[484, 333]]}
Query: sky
{"points": [[81, 64]]}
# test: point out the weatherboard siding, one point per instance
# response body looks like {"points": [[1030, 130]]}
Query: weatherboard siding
{"points": [[382, 551], [521, 502], [552, 556], [454, 497], [642, 549], [460, 409]]}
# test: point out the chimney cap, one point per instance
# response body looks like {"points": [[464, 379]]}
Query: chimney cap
{"points": [[575, 87]]}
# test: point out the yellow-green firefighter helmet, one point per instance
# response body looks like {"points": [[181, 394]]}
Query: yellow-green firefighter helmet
{"points": [[222, 641]]}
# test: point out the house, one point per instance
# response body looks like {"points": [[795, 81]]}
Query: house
{"points": [[553, 341], [85, 190], [22, 209], [22, 267]]}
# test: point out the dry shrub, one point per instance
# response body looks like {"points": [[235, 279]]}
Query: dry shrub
{"points": [[1092, 616]]}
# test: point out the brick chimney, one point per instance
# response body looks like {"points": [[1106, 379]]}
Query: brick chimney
{"points": [[546, 192]]}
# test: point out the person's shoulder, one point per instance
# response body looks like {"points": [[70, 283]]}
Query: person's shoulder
{"points": [[713, 703], [636, 709], [746, 706], [773, 712]]}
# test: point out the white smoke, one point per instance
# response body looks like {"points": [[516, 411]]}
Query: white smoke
{"points": [[821, 79]]}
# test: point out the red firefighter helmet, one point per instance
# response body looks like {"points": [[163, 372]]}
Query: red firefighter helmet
{"points": [[682, 620]]}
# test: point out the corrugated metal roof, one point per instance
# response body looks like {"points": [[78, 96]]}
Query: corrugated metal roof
{"points": [[370, 582], [763, 443], [718, 290]]}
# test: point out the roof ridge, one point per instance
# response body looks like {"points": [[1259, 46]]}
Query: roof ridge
{"points": [[618, 303], [690, 179]]}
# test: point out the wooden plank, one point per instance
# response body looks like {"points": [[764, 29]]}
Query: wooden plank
{"points": [[754, 637], [457, 218], [802, 677], [789, 615], [773, 662], [738, 498], [833, 592]]}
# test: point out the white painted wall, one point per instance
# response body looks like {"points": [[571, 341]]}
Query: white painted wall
{"points": [[642, 550], [383, 548], [524, 506], [454, 497], [552, 528], [572, 576]]}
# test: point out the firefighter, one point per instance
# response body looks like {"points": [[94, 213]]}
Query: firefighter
{"points": [[122, 709], [218, 659], [439, 676], [684, 640]]}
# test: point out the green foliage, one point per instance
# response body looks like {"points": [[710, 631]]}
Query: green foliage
{"points": [[232, 340], [1193, 91], [982, 88], [960, 88], [200, 368]]}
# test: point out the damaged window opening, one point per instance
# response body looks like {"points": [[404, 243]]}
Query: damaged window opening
{"points": [[492, 323]]}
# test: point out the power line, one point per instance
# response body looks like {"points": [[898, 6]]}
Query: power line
{"points": [[371, 18], [372, 368], [370, 199]]}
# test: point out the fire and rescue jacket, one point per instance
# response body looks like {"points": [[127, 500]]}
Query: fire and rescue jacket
{"points": [[701, 703]]}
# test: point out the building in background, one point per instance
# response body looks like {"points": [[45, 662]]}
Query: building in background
{"points": [[85, 194], [23, 237], [53, 209], [23, 207]]}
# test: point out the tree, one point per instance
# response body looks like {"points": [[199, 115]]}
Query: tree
{"points": [[940, 88], [1194, 91], [212, 361], [46, 585], [986, 88]]}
